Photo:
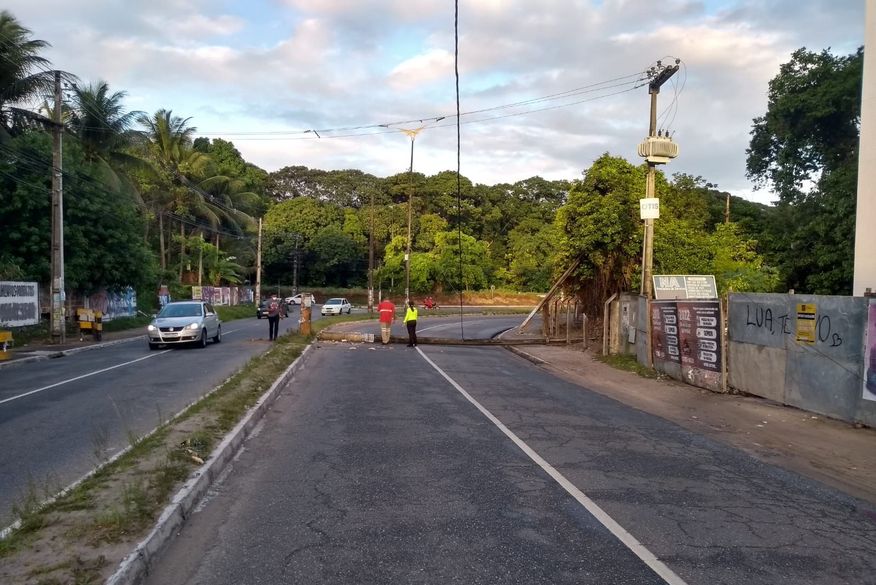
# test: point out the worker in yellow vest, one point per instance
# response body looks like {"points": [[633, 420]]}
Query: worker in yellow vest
{"points": [[411, 323]]}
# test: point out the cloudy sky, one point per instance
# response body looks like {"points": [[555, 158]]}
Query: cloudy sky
{"points": [[546, 86]]}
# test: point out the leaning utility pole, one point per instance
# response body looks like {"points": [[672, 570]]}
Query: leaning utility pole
{"points": [[656, 150], [371, 259], [57, 325]]}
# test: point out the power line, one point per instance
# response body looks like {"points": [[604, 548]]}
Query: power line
{"points": [[635, 80]]}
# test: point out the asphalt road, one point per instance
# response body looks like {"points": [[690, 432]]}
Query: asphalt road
{"points": [[58, 416], [471, 465]]}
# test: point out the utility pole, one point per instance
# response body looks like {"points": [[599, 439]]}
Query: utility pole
{"points": [[57, 324], [656, 150], [371, 259], [295, 262], [258, 290]]}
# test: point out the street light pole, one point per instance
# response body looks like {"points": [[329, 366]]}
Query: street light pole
{"points": [[413, 135]]}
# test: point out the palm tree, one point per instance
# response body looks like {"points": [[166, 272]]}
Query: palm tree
{"points": [[185, 174], [24, 76], [104, 130]]}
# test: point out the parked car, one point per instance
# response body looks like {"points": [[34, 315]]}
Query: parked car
{"points": [[336, 306], [262, 309], [184, 322]]}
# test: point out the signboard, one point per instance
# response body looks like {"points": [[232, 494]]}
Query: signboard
{"points": [[19, 303], [699, 325], [664, 332], [685, 286], [806, 322], [689, 333], [649, 208]]}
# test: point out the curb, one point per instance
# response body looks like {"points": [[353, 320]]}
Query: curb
{"points": [[136, 564]]}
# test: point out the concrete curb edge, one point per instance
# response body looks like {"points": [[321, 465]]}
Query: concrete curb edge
{"points": [[136, 565]]}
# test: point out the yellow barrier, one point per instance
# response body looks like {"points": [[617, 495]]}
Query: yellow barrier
{"points": [[5, 342]]}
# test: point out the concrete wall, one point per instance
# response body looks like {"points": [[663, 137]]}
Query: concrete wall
{"points": [[766, 359], [623, 324]]}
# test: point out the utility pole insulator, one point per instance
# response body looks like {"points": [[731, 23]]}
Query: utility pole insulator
{"points": [[661, 77]]}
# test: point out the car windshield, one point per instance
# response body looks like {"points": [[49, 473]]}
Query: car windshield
{"points": [[181, 310], [333, 302]]}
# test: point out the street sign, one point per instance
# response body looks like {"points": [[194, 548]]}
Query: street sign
{"points": [[685, 286], [649, 208]]}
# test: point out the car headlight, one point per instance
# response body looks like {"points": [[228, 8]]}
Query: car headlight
{"points": [[193, 326], [151, 327]]}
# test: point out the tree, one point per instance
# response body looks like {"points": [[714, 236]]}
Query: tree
{"points": [[806, 149], [103, 233], [599, 226], [24, 76]]}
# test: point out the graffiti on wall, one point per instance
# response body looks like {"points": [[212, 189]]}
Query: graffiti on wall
{"points": [[114, 304], [784, 323]]}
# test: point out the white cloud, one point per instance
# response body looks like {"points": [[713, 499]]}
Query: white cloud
{"points": [[432, 66]]}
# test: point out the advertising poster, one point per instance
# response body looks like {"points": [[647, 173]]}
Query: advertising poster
{"points": [[806, 322], [870, 354], [699, 326], [664, 332], [19, 304]]}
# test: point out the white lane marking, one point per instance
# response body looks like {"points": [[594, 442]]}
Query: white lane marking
{"points": [[638, 549], [62, 382]]}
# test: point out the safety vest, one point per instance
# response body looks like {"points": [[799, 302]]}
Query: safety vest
{"points": [[411, 314]]}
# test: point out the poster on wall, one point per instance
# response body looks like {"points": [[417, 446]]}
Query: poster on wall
{"points": [[664, 332], [806, 322], [870, 354], [699, 325]]}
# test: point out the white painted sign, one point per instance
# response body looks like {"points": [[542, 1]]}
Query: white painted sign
{"points": [[19, 304], [649, 208]]}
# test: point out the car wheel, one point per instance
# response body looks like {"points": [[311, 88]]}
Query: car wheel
{"points": [[218, 338], [202, 342], [258, 315], [153, 345]]}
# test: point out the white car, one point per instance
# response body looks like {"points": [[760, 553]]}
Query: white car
{"points": [[298, 299], [184, 322], [336, 306]]}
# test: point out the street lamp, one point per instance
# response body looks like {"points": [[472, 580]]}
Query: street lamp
{"points": [[412, 133]]}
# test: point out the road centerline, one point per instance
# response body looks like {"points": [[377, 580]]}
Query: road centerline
{"points": [[630, 541]]}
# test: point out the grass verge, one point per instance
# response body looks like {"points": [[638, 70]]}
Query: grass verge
{"points": [[82, 535], [628, 363]]}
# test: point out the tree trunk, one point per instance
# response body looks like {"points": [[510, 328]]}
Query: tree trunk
{"points": [[161, 251], [182, 249], [201, 261]]}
